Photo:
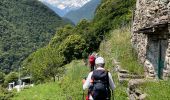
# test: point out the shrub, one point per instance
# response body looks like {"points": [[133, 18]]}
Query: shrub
{"points": [[11, 77]]}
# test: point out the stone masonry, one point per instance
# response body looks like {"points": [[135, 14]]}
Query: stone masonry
{"points": [[151, 36]]}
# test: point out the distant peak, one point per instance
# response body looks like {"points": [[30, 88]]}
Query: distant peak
{"points": [[65, 4]]}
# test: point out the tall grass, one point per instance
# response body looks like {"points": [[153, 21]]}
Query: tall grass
{"points": [[118, 46], [158, 90]]}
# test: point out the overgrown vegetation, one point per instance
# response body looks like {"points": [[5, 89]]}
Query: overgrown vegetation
{"points": [[5, 94], [25, 25], [119, 47], [156, 90], [70, 85], [71, 42]]}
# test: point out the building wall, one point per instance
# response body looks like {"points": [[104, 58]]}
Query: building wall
{"points": [[150, 12], [153, 47]]}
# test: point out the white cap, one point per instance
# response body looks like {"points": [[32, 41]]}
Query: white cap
{"points": [[99, 60]]}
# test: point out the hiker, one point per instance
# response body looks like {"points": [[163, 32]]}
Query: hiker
{"points": [[99, 82], [92, 61]]}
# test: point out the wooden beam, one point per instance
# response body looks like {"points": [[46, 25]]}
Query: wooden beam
{"points": [[153, 29]]}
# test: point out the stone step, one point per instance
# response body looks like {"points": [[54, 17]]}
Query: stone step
{"points": [[122, 80], [123, 71], [151, 75], [122, 75], [137, 76], [138, 92]]}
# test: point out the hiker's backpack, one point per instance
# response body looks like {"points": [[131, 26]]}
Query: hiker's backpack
{"points": [[100, 85], [92, 60]]}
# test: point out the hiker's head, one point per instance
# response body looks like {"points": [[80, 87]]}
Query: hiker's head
{"points": [[99, 62]]}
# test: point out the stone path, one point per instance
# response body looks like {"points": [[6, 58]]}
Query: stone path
{"points": [[133, 82]]}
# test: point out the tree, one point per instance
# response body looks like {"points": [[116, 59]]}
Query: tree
{"points": [[54, 63], [11, 77], [44, 64], [2, 77], [72, 47]]}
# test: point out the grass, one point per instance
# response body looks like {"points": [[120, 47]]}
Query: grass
{"points": [[158, 90], [48, 91], [70, 87], [117, 45]]}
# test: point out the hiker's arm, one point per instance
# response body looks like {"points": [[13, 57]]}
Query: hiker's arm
{"points": [[111, 83], [87, 83]]}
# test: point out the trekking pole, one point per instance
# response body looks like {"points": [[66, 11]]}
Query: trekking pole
{"points": [[112, 95], [83, 95]]}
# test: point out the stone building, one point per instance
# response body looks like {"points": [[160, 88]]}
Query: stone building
{"points": [[151, 36]]}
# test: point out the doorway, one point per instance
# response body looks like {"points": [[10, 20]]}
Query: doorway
{"points": [[156, 52]]}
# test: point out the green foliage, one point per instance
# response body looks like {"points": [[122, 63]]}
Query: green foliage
{"points": [[69, 87], [156, 90], [118, 46], [25, 25], [72, 47], [61, 35], [6, 95], [47, 91], [43, 64], [11, 77], [75, 71], [85, 37], [2, 77]]}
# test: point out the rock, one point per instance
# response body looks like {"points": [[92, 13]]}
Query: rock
{"points": [[138, 92], [122, 75], [142, 96], [137, 76], [132, 97], [151, 75], [164, 18], [123, 71]]}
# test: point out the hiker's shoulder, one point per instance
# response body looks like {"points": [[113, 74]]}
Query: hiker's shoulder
{"points": [[91, 73]]}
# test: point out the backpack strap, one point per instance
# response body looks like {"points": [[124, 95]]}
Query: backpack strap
{"points": [[107, 80]]}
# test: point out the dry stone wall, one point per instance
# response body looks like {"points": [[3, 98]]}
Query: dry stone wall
{"points": [[150, 12], [166, 70], [151, 36]]}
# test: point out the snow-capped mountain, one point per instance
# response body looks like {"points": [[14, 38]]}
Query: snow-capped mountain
{"points": [[62, 7], [85, 12]]}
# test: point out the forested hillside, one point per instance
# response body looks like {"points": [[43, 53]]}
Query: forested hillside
{"points": [[25, 25], [74, 42]]}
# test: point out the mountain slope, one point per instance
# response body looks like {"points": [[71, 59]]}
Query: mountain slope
{"points": [[71, 42], [54, 8], [62, 7], [85, 12], [25, 25]]}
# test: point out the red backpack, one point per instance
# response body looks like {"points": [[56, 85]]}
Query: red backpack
{"points": [[92, 60]]}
